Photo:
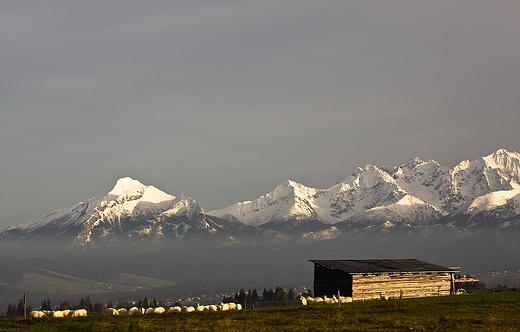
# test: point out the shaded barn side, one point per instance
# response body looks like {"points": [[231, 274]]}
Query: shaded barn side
{"points": [[389, 278]]}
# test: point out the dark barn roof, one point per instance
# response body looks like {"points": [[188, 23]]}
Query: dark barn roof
{"points": [[353, 266]]}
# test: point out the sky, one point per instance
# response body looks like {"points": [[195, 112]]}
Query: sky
{"points": [[224, 100]]}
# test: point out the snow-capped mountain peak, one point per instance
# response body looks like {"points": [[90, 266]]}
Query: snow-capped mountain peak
{"points": [[127, 186]]}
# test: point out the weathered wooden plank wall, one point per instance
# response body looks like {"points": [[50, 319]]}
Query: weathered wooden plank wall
{"points": [[366, 287]]}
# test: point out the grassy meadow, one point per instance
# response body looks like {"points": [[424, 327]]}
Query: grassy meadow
{"points": [[476, 312]]}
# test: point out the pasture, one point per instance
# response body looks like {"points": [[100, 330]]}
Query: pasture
{"points": [[484, 311]]}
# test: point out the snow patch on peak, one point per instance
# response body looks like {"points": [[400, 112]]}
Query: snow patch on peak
{"points": [[127, 186], [154, 195]]}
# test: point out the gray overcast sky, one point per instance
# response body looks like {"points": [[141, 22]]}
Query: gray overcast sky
{"points": [[224, 100]]}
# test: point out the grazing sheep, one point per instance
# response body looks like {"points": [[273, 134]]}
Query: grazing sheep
{"points": [[159, 310], [213, 307], [174, 309], [310, 300], [327, 300], [58, 314], [135, 311], [82, 313], [122, 312], [189, 309], [112, 312], [318, 300], [66, 312], [37, 314], [232, 306], [148, 311], [239, 306], [303, 300], [345, 299], [199, 307], [223, 306]]}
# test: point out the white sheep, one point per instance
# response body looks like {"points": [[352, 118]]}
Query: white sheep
{"points": [[189, 309], [57, 314], [232, 306], [81, 313], [159, 310], [122, 312], [345, 299], [199, 307], [239, 306], [223, 306], [135, 311], [213, 307], [174, 309], [112, 312], [303, 300], [149, 311], [37, 314], [66, 312]]}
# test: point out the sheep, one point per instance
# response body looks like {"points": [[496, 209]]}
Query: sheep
{"points": [[327, 300], [135, 311], [319, 300], [83, 312], [223, 306], [112, 312], [206, 308], [189, 309], [159, 310], [58, 314], [213, 307], [239, 306], [149, 311], [345, 299], [303, 300], [122, 311], [384, 297], [232, 306], [174, 309], [66, 312], [310, 300], [199, 307], [37, 314]]}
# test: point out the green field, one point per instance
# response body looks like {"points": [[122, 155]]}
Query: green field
{"points": [[51, 282], [477, 312]]}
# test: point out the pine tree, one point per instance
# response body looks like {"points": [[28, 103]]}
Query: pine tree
{"points": [[19, 309], [291, 295], [11, 311], [242, 297]]}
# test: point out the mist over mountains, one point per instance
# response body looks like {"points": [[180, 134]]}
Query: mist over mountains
{"points": [[466, 215]]}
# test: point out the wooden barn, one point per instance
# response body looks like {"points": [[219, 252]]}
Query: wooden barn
{"points": [[382, 278]]}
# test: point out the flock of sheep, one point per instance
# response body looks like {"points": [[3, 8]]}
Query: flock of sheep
{"points": [[327, 300], [38, 314]]}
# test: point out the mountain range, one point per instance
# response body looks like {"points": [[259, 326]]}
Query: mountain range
{"points": [[418, 197]]}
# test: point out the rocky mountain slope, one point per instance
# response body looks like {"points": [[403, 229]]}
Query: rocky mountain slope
{"points": [[419, 197], [479, 194]]}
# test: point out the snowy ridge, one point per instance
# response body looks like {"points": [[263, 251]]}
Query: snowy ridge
{"points": [[418, 196], [418, 192]]}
